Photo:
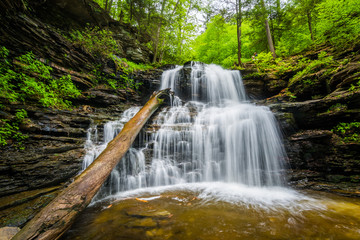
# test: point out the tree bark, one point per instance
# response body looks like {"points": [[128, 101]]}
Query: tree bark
{"points": [[158, 32], [268, 32], [269, 38], [238, 28], [53, 220], [308, 13]]}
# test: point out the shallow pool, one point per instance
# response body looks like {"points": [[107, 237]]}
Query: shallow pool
{"points": [[219, 211]]}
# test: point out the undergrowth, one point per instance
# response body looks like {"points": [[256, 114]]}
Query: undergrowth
{"points": [[29, 79], [349, 132], [9, 129], [98, 42], [26, 79]]}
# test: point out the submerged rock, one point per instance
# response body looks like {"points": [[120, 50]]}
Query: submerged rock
{"points": [[150, 213]]}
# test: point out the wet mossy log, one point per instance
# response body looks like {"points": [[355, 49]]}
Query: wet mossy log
{"points": [[53, 220]]}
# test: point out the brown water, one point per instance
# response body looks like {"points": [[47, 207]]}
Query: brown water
{"points": [[219, 211]]}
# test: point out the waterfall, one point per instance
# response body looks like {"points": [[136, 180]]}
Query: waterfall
{"points": [[217, 135]]}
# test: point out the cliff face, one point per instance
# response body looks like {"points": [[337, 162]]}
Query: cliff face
{"points": [[309, 107], [39, 27], [54, 149]]}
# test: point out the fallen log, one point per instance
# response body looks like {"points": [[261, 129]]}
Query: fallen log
{"points": [[53, 220]]}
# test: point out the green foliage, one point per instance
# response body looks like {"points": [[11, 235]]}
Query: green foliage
{"points": [[30, 79], [9, 129], [350, 132], [125, 71], [290, 94], [99, 77], [322, 62], [169, 25], [128, 68], [97, 41], [337, 107], [355, 178], [339, 21], [218, 44], [353, 87], [293, 41], [265, 63]]}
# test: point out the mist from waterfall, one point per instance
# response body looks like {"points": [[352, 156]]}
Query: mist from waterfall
{"points": [[216, 136]]}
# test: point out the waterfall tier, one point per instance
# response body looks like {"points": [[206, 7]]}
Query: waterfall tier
{"points": [[215, 136]]}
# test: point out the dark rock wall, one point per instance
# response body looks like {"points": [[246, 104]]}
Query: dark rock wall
{"points": [[53, 152], [54, 149], [67, 15], [316, 155]]}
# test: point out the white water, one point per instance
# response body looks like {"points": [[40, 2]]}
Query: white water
{"points": [[222, 139]]}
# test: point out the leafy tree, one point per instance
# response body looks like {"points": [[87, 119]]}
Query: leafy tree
{"points": [[338, 21], [281, 27], [218, 44], [169, 23]]}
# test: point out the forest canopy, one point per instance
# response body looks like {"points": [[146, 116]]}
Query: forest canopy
{"points": [[213, 31]]}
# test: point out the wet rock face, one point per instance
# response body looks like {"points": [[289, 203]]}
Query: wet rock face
{"points": [[309, 149], [316, 154], [40, 28], [319, 161], [71, 13], [183, 84], [22, 33], [54, 150], [52, 154], [150, 81], [261, 86]]}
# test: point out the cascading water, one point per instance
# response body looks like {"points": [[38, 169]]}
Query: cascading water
{"points": [[208, 168], [220, 138]]}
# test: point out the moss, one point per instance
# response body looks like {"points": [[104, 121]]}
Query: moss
{"points": [[355, 178]]}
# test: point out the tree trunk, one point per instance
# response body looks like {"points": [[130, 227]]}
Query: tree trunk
{"points": [[268, 32], [308, 13], [156, 43], [53, 220], [158, 32], [269, 38], [106, 5], [109, 6], [131, 10], [161, 50], [238, 28]]}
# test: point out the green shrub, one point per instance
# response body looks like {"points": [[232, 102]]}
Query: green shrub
{"points": [[128, 68], [98, 42], [338, 21], [265, 61], [350, 132], [9, 129], [31, 79], [337, 107], [313, 66], [353, 87]]}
